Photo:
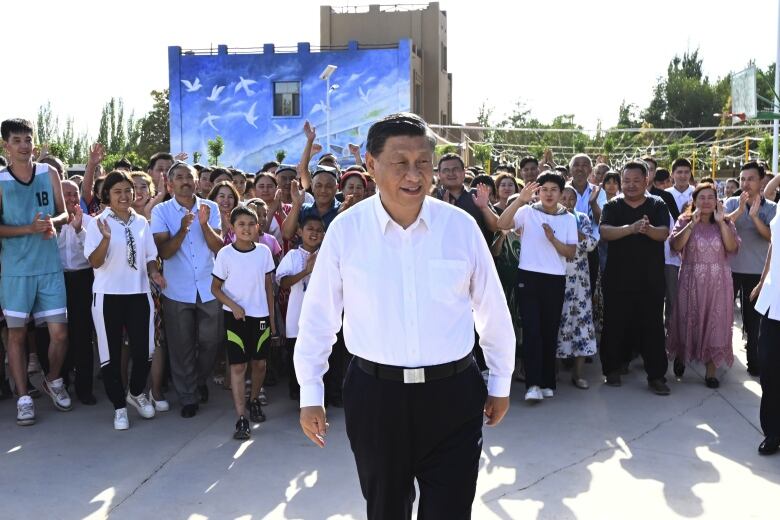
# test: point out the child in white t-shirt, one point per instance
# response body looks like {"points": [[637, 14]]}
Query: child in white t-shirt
{"points": [[293, 273], [242, 284]]}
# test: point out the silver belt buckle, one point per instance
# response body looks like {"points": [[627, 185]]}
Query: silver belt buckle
{"points": [[414, 375]]}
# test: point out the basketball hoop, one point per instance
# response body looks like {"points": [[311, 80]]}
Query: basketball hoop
{"points": [[741, 115]]}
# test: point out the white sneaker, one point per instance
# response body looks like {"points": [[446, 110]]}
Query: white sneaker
{"points": [[262, 397], [142, 404], [548, 392], [159, 406], [121, 422], [534, 394], [58, 393], [25, 411]]}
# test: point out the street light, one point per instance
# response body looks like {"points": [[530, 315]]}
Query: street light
{"points": [[326, 74]]}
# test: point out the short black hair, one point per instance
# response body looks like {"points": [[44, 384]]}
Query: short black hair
{"points": [[661, 175], [528, 158], [563, 170], [485, 179], [451, 157], [15, 126], [267, 166], [3, 162], [124, 163], [635, 165], [216, 172], [754, 165], [649, 159], [681, 162], [242, 210], [551, 176], [309, 218], [111, 180], [394, 125], [611, 175], [159, 156], [732, 179], [234, 172]]}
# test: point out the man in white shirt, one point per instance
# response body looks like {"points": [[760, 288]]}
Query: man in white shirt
{"points": [[411, 295], [78, 287], [682, 191], [590, 199]]}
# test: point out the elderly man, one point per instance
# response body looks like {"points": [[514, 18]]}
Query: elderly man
{"points": [[413, 397], [186, 231]]}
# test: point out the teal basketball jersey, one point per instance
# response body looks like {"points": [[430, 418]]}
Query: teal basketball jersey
{"points": [[27, 255]]}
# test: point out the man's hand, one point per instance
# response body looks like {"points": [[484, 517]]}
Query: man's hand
{"points": [[495, 409], [354, 149], [756, 291], [594, 194], [482, 198], [77, 218], [181, 156], [297, 195], [314, 425], [187, 220], [640, 226], [309, 131], [316, 148], [204, 212], [755, 207], [96, 153], [40, 225]]}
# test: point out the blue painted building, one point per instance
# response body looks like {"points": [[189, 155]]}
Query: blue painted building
{"points": [[258, 101]]}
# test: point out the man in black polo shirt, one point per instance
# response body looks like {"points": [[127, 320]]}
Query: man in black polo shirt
{"points": [[635, 227], [661, 182], [475, 202]]}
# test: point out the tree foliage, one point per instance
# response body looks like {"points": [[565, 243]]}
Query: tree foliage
{"points": [[216, 147]]}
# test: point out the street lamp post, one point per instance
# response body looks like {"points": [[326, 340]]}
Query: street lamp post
{"points": [[326, 74]]}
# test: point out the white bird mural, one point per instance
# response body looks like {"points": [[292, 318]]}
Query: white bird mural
{"points": [[250, 116], [269, 77], [215, 92], [209, 119], [319, 107], [281, 129], [363, 95], [192, 86], [245, 84]]}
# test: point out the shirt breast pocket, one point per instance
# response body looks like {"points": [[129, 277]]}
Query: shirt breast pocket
{"points": [[448, 280]]}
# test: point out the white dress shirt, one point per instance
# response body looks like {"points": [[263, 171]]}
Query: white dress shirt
{"points": [[769, 298], [583, 204], [411, 297], [681, 197], [71, 246]]}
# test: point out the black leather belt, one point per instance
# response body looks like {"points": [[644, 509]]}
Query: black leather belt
{"points": [[414, 375]]}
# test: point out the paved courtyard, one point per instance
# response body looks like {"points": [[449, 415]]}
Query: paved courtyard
{"points": [[604, 453]]}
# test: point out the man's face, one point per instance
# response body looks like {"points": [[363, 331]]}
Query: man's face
{"points": [[750, 182], [730, 188], [19, 147], [580, 169], [324, 188], [239, 181], [682, 177], [183, 183], [662, 185], [285, 178], [403, 170], [71, 195], [160, 169], [599, 171], [633, 183], [529, 172], [204, 185], [452, 174]]}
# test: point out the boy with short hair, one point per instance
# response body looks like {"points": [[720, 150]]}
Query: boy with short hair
{"points": [[293, 273], [242, 284]]}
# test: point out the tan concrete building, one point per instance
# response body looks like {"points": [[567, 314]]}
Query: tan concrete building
{"points": [[425, 25]]}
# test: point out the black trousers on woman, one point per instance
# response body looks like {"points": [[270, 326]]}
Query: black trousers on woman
{"points": [[540, 297], [769, 357], [113, 314], [428, 431]]}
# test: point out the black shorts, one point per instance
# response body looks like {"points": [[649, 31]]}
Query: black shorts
{"points": [[246, 339]]}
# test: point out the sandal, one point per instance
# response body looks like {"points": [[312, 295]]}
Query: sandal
{"points": [[580, 383]]}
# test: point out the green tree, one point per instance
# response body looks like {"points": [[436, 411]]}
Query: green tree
{"points": [[280, 155], [216, 147], [155, 127]]}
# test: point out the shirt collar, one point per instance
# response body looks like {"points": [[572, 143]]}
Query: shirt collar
{"points": [[424, 217], [179, 207]]}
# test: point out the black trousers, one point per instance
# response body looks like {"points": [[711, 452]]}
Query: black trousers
{"points": [[337, 363], [540, 299], [429, 431], [634, 319], [751, 319], [769, 357], [78, 285], [294, 386], [113, 314]]}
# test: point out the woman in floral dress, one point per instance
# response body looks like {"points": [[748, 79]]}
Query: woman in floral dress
{"points": [[577, 335]]}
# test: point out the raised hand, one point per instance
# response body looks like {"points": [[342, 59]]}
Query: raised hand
{"points": [[755, 206], [181, 156], [548, 232], [296, 194], [105, 228], [349, 201], [482, 198], [316, 148], [720, 213], [696, 216], [594, 194], [310, 262], [354, 149], [187, 220], [76, 218], [96, 153], [309, 131], [204, 212], [529, 192]]}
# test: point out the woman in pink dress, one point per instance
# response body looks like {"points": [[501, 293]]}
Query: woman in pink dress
{"points": [[700, 329]]}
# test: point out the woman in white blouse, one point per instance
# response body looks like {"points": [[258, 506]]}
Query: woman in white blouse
{"points": [[768, 305], [121, 250]]}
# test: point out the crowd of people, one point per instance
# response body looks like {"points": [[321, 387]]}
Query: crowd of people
{"points": [[178, 274]]}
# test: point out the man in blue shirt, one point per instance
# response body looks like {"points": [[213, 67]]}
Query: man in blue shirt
{"points": [[325, 206], [186, 231]]}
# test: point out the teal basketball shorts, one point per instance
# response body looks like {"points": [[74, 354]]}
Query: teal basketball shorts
{"points": [[42, 296]]}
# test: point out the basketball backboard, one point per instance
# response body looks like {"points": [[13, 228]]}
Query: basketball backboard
{"points": [[743, 94]]}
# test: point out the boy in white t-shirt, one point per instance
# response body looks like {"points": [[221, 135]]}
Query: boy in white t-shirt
{"points": [[242, 284], [293, 273]]}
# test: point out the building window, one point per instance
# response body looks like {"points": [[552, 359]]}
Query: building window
{"points": [[287, 99], [443, 57], [418, 94]]}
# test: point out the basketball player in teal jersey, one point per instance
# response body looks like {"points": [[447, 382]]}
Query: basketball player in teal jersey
{"points": [[31, 277]]}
